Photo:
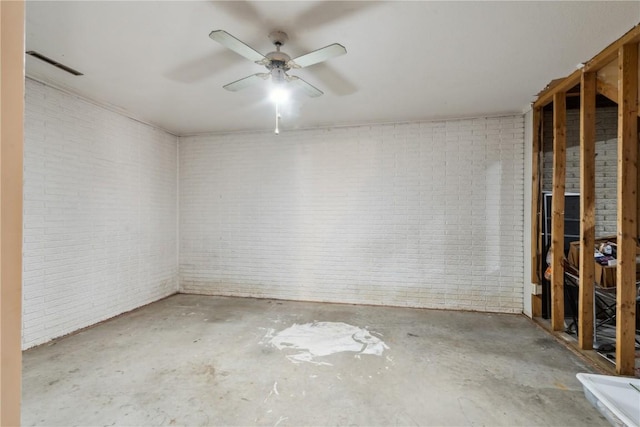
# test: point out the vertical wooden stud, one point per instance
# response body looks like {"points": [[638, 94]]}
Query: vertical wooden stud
{"points": [[536, 214], [541, 217], [627, 200], [557, 210], [587, 208], [11, 142]]}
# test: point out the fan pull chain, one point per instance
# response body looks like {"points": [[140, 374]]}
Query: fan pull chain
{"points": [[277, 131]]}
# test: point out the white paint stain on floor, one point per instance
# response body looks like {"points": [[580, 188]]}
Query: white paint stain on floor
{"points": [[318, 339]]}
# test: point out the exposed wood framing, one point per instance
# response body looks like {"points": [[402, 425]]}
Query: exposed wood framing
{"points": [[616, 77], [547, 95], [607, 55], [536, 213], [610, 53], [535, 192], [557, 210], [627, 202], [587, 208], [11, 142], [609, 91]]}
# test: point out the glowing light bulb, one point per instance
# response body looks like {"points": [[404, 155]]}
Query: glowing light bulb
{"points": [[279, 95]]}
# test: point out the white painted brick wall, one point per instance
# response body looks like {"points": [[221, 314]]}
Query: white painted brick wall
{"points": [[422, 215], [100, 224], [606, 163]]}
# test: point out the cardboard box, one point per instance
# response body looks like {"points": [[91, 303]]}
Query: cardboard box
{"points": [[605, 277], [574, 254]]}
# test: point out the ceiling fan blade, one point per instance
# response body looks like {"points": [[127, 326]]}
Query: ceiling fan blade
{"points": [[319, 55], [230, 42], [308, 88], [245, 82]]}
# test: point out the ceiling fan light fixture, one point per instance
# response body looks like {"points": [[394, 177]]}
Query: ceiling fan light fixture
{"points": [[278, 63], [278, 75]]}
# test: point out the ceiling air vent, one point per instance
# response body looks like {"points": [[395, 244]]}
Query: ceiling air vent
{"points": [[54, 63]]}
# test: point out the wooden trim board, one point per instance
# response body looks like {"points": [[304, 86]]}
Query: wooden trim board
{"points": [[11, 149]]}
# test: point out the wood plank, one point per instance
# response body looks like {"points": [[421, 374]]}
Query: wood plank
{"points": [[547, 95], [551, 85], [535, 196], [536, 213], [609, 74], [557, 210], [11, 150], [609, 91], [587, 208], [541, 219], [627, 202], [610, 53]]}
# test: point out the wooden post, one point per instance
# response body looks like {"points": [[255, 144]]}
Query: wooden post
{"points": [[587, 208], [11, 142], [627, 187], [536, 214], [557, 210]]}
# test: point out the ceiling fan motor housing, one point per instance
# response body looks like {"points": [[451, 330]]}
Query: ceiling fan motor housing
{"points": [[278, 65]]}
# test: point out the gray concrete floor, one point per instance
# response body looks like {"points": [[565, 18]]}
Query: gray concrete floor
{"points": [[200, 360]]}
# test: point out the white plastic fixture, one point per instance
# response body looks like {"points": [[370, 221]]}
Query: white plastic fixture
{"points": [[616, 398]]}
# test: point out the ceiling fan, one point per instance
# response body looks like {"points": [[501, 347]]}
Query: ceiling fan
{"points": [[278, 63]]}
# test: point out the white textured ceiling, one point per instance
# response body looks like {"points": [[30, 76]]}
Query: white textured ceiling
{"points": [[406, 60]]}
